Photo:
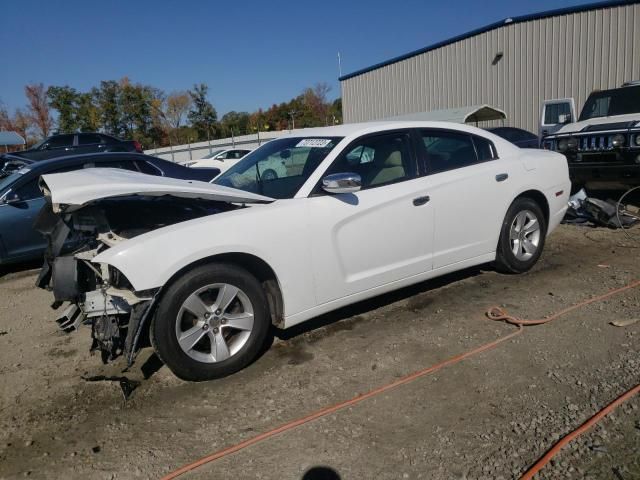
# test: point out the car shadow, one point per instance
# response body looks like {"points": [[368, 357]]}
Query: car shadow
{"points": [[321, 473], [379, 301]]}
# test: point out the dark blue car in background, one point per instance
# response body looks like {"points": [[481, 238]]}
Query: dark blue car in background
{"points": [[21, 199]]}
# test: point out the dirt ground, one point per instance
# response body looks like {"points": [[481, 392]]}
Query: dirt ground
{"points": [[489, 417]]}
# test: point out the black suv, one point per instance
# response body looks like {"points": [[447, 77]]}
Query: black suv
{"points": [[77, 143]]}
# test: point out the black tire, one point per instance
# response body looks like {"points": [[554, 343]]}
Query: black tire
{"points": [[269, 175], [506, 260], [163, 327]]}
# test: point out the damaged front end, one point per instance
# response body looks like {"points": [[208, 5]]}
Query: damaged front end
{"points": [[98, 295]]}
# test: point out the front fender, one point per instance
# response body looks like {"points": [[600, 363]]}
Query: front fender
{"points": [[275, 233]]}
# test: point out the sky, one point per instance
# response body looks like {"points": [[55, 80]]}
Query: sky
{"points": [[252, 54]]}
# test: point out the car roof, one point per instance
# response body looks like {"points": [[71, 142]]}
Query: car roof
{"points": [[101, 156], [353, 130]]}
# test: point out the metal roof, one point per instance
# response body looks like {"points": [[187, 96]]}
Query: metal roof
{"points": [[11, 138], [493, 26], [473, 113]]}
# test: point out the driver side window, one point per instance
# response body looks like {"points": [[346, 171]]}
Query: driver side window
{"points": [[379, 160], [59, 141]]}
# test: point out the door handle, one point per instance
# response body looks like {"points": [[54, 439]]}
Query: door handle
{"points": [[501, 177], [421, 200]]}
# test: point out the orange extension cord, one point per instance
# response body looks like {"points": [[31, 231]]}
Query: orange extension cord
{"points": [[494, 313]]}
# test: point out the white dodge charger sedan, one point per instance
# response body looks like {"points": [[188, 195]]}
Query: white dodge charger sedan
{"points": [[205, 270]]}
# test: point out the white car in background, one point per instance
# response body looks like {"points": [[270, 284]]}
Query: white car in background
{"points": [[222, 159], [356, 211]]}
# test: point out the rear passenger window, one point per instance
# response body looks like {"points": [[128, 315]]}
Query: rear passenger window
{"points": [[448, 150], [88, 139], [485, 149]]}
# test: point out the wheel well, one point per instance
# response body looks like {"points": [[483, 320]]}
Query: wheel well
{"points": [[257, 267], [538, 197]]}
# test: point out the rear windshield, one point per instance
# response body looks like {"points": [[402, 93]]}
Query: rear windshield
{"points": [[619, 101]]}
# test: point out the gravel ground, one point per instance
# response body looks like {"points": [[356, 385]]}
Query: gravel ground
{"points": [[489, 417]]}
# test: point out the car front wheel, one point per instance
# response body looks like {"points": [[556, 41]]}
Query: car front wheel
{"points": [[211, 322], [522, 237]]}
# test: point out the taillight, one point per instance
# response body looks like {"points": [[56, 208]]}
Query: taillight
{"points": [[137, 146]]}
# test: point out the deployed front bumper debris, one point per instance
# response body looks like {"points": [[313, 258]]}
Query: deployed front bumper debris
{"points": [[98, 295]]}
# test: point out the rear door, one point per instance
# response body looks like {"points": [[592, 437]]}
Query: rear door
{"points": [[469, 188], [556, 113]]}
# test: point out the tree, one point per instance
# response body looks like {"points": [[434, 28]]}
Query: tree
{"points": [[5, 120], [108, 104], [38, 108], [177, 108], [234, 123], [64, 100], [21, 123], [87, 112], [202, 114]]}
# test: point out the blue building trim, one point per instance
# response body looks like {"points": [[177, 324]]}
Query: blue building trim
{"points": [[493, 26]]}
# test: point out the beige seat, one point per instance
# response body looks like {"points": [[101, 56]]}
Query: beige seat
{"points": [[391, 168]]}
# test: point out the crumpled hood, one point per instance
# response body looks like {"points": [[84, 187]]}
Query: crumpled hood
{"points": [[80, 187], [578, 126]]}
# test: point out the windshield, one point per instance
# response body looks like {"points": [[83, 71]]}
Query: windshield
{"points": [[7, 181], [279, 168], [212, 154], [619, 101]]}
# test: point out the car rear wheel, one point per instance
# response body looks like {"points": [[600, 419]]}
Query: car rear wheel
{"points": [[211, 322], [522, 237]]}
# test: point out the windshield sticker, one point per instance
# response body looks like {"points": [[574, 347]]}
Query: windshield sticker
{"points": [[314, 142]]}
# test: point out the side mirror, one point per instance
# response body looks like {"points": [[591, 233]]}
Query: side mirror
{"points": [[342, 183], [11, 197]]}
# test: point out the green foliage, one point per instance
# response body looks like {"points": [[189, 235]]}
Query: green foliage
{"points": [[87, 114], [202, 114], [136, 111], [107, 98], [64, 100]]}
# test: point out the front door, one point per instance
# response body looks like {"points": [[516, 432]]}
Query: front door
{"points": [[20, 240], [378, 235]]}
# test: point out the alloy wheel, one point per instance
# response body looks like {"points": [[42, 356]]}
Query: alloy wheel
{"points": [[524, 235], [214, 322]]}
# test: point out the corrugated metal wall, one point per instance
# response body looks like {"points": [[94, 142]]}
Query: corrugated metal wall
{"points": [[564, 56]]}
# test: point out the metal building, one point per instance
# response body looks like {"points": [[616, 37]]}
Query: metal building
{"points": [[514, 64]]}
